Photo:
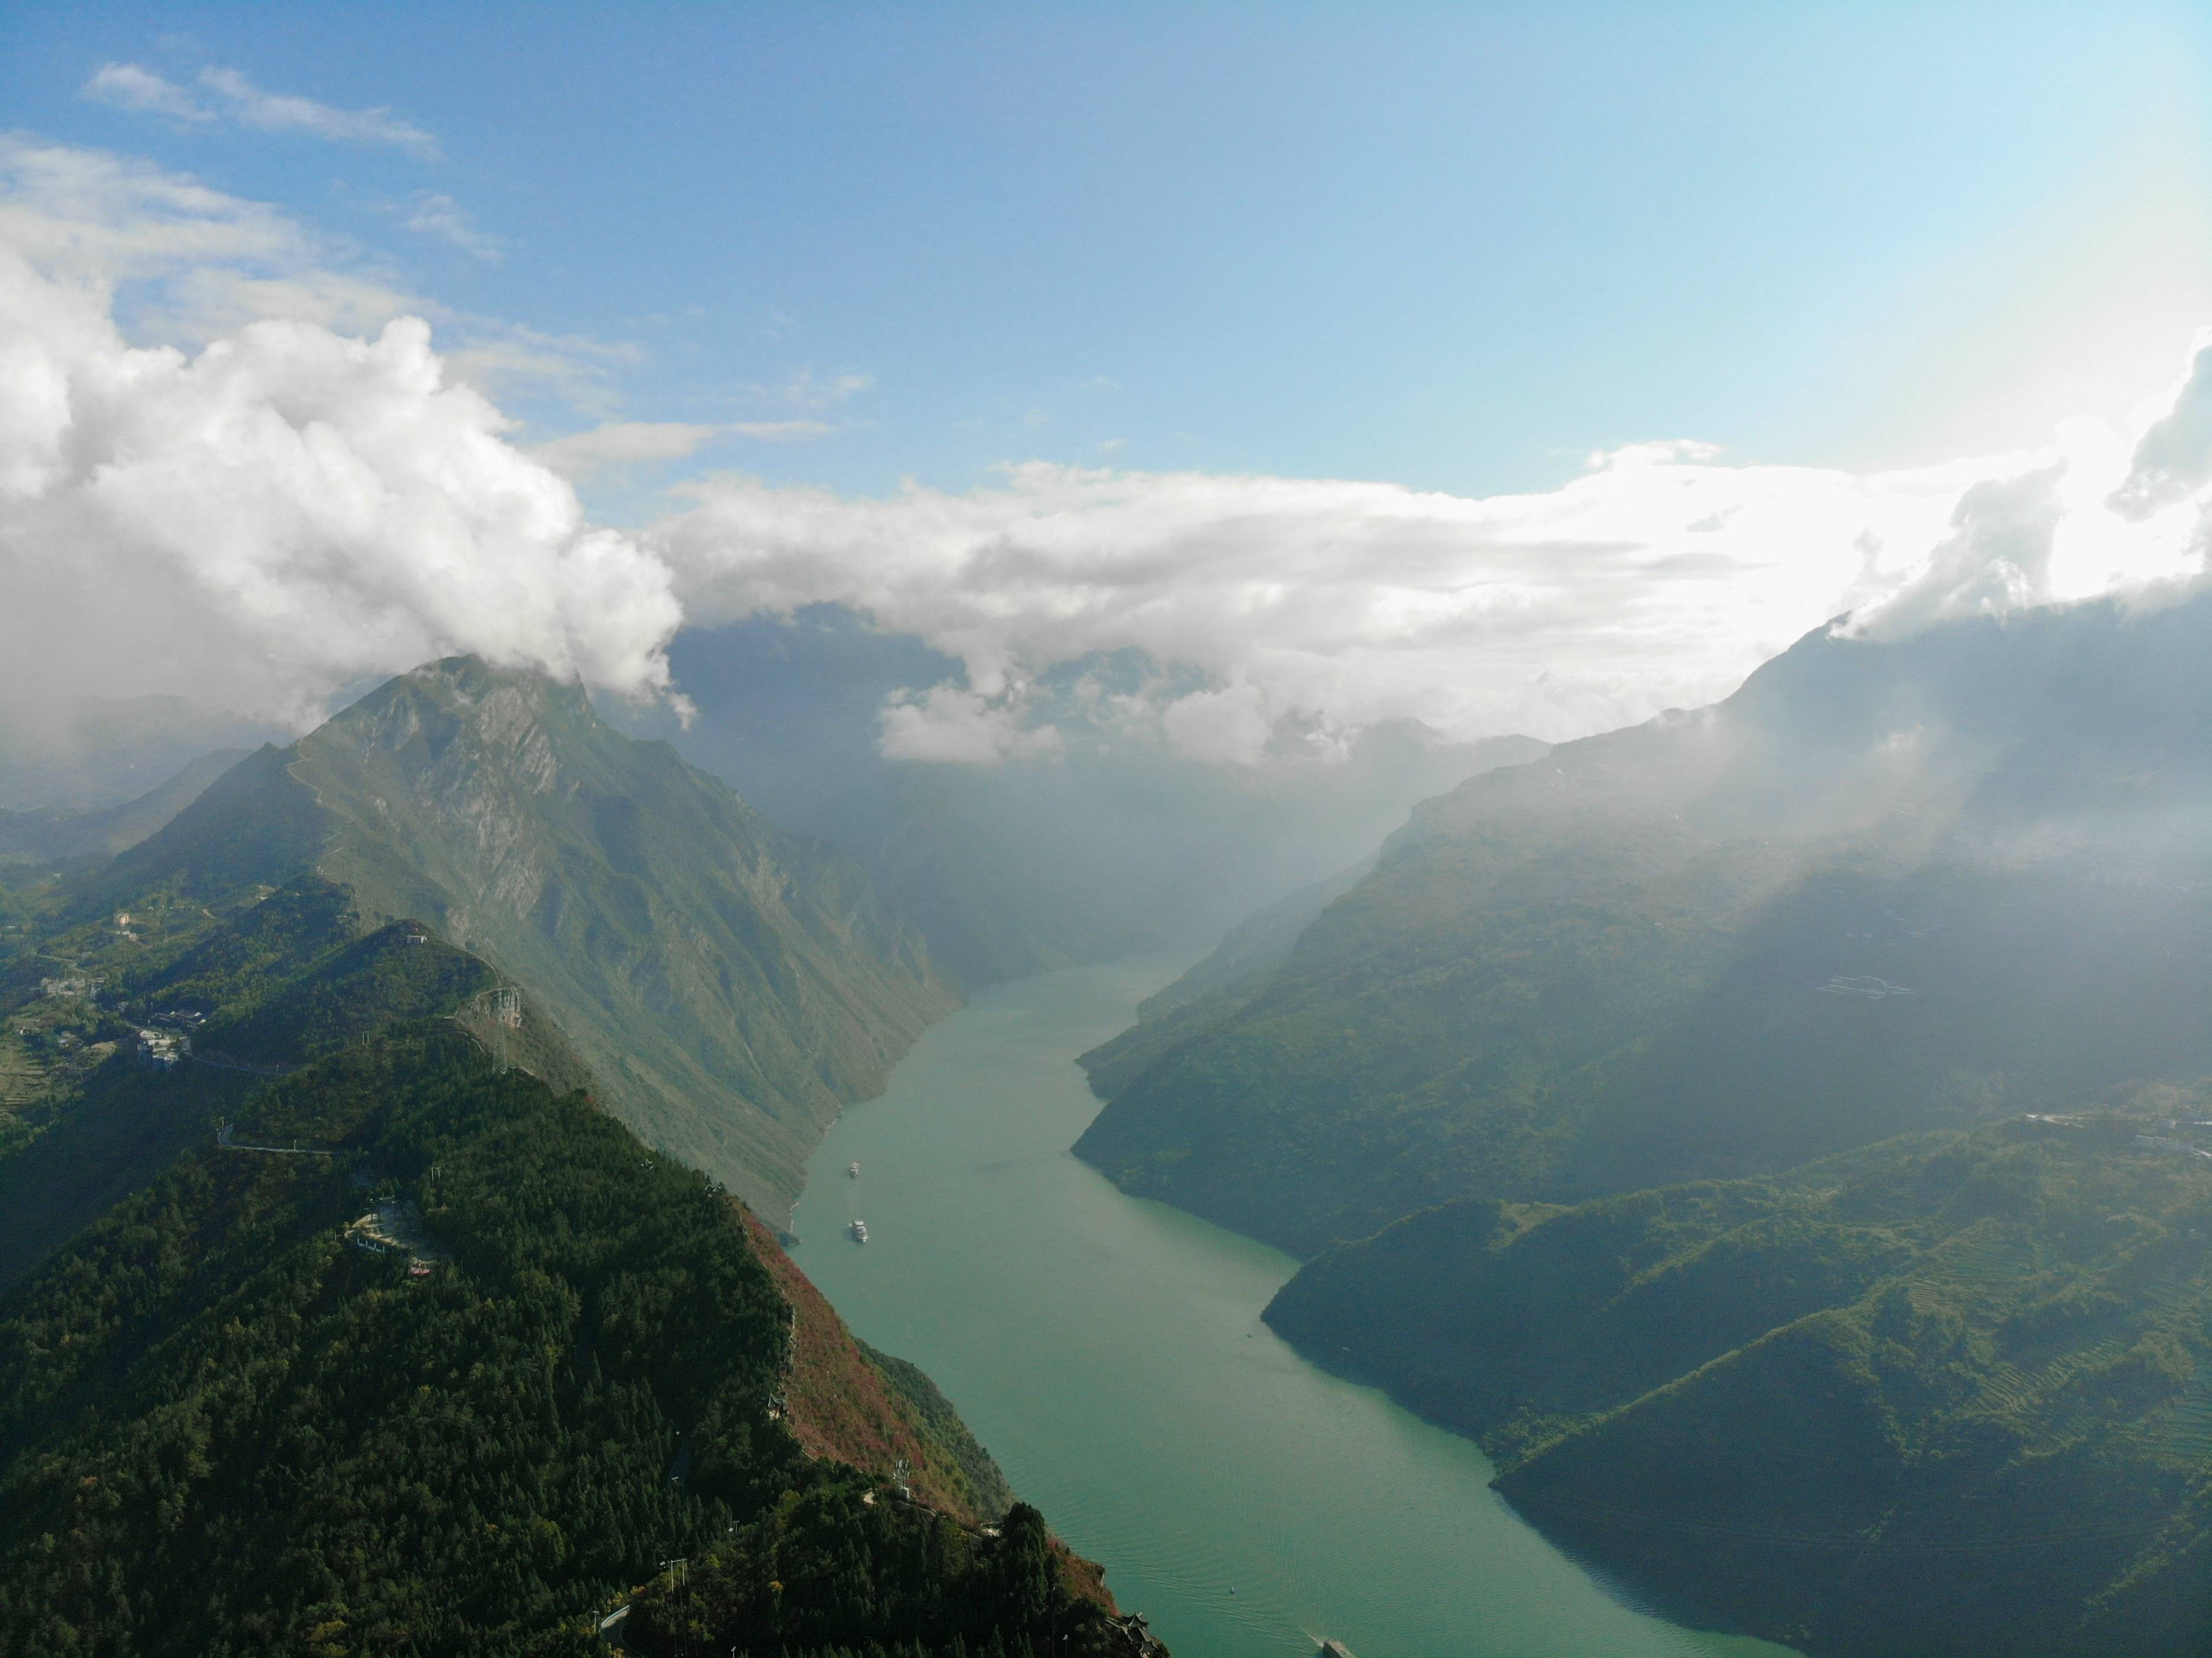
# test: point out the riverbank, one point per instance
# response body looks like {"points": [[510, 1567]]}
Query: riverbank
{"points": [[1110, 1353]]}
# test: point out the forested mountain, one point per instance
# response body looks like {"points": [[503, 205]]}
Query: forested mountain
{"points": [[1769, 1131], [1950, 1394], [1884, 887], [729, 985], [400, 1343]]}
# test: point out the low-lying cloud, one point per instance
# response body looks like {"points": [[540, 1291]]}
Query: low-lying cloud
{"points": [[1658, 578]]}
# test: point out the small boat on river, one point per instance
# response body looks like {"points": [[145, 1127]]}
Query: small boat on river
{"points": [[853, 1171], [858, 1229]]}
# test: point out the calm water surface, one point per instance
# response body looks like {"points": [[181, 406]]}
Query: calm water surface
{"points": [[1109, 1352]]}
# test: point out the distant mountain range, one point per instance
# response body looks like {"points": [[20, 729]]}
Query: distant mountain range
{"points": [[85, 754], [47, 837], [1109, 847], [1570, 1057]]}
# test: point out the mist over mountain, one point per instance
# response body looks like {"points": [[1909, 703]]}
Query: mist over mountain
{"points": [[1780, 1128], [1884, 886], [1102, 843], [91, 754], [44, 836]]}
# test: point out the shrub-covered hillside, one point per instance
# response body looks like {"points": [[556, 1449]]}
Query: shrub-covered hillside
{"points": [[454, 1386], [1951, 1395]]}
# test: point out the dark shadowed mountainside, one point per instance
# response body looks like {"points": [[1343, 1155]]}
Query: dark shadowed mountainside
{"points": [[1885, 887]]}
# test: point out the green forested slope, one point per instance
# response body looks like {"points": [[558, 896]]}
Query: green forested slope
{"points": [[224, 1429], [1951, 1395], [1675, 951], [729, 986], [229, 1425], [266, 985]]}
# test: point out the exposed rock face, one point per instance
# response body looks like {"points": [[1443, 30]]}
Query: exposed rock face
{"points": [[730, 985]]}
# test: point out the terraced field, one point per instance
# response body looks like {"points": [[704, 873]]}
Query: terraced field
{"points": [[22, 1078]]}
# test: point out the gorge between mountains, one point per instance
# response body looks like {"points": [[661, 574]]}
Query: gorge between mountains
{"points": [[1767, 1147]]}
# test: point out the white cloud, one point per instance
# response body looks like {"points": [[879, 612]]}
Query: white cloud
{"points": [[135, 87], [281, 511], [1658, 578], [231, 464], [271, 112], [1228, 727], [1998, 558], [443, 217], [804, 389], [948, 724], [620, 443], [2173, 458], [200, 264], [138, 90], [782, 431]]}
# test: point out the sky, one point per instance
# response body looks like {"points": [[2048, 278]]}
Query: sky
{"points": [[1515, 368]]}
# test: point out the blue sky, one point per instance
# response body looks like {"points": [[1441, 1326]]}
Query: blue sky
{"points": [[1458, 248]]}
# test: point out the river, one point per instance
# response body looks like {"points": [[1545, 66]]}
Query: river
{"points": [[1109, 1352]]}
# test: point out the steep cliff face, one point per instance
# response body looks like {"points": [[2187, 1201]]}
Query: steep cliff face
{"points": [[871, 1411], [730, 985]]}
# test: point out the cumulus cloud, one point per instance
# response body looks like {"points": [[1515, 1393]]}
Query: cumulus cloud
{"points": [[1226, 727], [135, 87], [276, 514], [2174, 460], [1998, 558]]}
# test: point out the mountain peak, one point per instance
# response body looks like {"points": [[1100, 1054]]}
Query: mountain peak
{"points": [[729, 986]]}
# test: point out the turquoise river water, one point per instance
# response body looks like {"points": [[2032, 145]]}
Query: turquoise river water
{"points": [[1110, 1352]]}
